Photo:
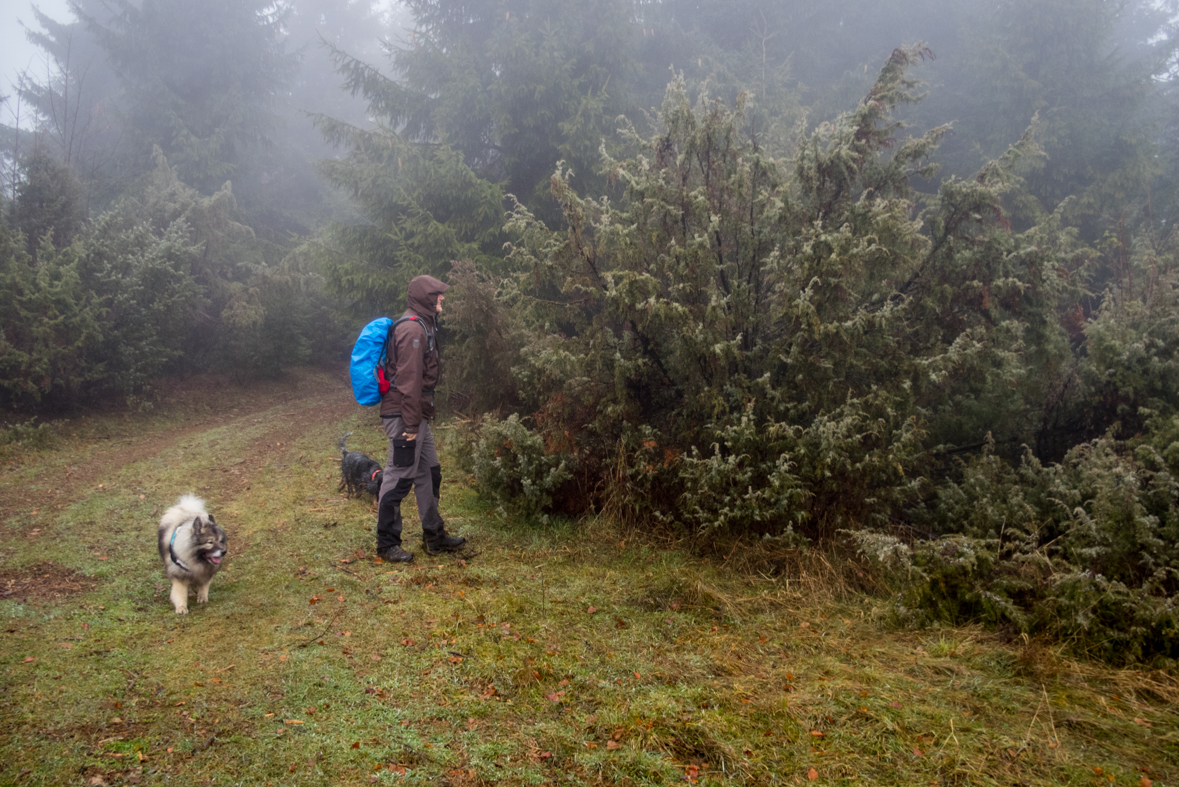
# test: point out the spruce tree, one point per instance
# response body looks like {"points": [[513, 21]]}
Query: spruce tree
{"points": [[201, 80], [1093, 73]]}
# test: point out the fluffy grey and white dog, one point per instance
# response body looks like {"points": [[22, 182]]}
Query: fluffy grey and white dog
{"points": [[192, 546]]}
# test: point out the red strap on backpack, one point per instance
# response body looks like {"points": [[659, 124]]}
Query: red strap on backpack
{"points": [[383, 382]]}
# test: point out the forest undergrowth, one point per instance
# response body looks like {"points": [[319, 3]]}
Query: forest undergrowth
{"points": [[573, 653]]}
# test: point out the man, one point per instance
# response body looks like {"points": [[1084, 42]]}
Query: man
{"points": [[406, 410]]}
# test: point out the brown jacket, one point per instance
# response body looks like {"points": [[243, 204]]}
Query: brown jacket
{"points": [[413, 357]]}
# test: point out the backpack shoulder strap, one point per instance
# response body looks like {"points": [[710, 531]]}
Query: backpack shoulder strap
{"points": [[391, 348]]}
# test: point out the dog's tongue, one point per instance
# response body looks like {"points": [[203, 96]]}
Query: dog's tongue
{"points": [[214, 560]]}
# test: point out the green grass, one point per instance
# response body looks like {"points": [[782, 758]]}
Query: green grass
{"points": [[564, 655]]}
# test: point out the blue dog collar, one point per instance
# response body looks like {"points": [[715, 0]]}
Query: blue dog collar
{"points": [[172, 550]]}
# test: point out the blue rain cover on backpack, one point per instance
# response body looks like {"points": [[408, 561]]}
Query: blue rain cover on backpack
{"points": [[368, 355]]}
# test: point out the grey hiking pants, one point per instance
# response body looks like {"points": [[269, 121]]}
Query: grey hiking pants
{"points": [[410, 465]]}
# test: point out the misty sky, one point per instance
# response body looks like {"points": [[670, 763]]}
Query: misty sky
{"points": [[16, 53]]}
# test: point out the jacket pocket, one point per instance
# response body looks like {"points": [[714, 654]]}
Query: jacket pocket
{"points": [[403, 452]]}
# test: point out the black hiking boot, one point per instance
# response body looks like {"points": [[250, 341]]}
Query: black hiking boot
{"points": [[444, 543], [395, 554]]}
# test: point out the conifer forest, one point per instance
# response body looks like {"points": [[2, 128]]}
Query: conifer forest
{"points": [[896, 280]]}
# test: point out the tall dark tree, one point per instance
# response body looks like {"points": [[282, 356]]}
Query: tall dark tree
{"points": [[419, 206], [295, 197], [513, 85], [202, 81], [74, 93], [1090, 71], [315, 29], [484, 98]]}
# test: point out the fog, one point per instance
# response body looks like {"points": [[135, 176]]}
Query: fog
{"points": [[351, 144], [17, 53], [989, 70]]}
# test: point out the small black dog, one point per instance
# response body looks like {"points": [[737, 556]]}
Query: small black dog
{"points": [[358, 473]]}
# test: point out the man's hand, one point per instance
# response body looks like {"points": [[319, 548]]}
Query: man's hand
{"points": [[410, 437]]}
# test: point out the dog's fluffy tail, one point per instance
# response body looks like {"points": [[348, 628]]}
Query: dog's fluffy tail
{"points": [[343, 443], [186, 508], [191, 503]]}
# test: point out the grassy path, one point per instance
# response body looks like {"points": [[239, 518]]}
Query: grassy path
{"points": [[556, 656]]}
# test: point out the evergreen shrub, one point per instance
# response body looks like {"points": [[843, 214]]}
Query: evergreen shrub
{"points": [[804, 349], [512, 467], [28, 433], [165, 282]]}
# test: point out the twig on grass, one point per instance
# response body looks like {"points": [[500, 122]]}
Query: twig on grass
{"points": [[322, 633], [207, 743], [352, 573]]}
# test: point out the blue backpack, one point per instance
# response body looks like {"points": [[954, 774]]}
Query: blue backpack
{"points": [[369, 359]]}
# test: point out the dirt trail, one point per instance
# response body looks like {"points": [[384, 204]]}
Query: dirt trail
{"points": [[212, 402]]}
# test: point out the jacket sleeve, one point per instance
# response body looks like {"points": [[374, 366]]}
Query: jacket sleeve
{"points": [[409, 340]]}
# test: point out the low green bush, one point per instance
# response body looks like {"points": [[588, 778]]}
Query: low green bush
{"points": [[511, 466], [1085, 550], [28, 434]]}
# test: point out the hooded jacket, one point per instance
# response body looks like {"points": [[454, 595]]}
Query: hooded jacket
{"points": [[414, 358]]}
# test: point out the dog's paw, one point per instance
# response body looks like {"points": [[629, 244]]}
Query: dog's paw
{"points": [[182, 610]]}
